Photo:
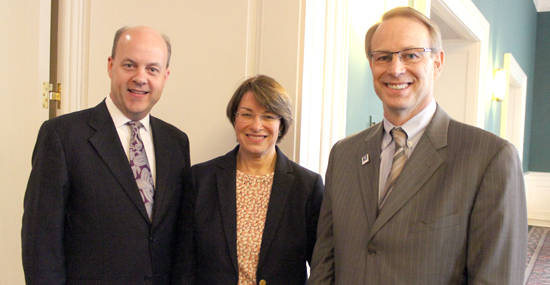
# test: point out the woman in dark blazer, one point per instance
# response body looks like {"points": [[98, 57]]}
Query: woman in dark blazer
{"points": [[251, 215]]}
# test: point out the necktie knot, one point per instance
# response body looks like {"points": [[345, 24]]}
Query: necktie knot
{"points": [[135, 126], [399, 136]]}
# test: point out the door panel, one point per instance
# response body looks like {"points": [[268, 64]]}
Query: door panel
{"points": [[24, 26], [455, 90]]}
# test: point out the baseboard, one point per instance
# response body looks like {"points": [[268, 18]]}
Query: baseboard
{"points": [[537, 223], [537, 186]]}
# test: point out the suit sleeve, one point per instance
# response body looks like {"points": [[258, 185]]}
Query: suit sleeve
{"points": [[44, 211], [322, 264], [185, 258], [314, 207], [498, 225]]}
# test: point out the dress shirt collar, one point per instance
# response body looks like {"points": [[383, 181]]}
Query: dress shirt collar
{"points": [[414, 127], [119, 119]]}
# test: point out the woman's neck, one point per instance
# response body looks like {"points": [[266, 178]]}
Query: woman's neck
{"points": [[253, 165]]}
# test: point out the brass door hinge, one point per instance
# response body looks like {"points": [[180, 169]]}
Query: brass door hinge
{"points": [[49, 94]]}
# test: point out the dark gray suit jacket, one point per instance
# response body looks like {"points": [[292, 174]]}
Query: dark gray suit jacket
{"points": [[457, 214], [84, 220], [289, 233]]}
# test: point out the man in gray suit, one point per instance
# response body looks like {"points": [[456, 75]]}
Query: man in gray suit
{"points": [[455, 214]]}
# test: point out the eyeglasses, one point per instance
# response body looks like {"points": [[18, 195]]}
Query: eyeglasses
{"points": [[250, 117], [407, 56]]}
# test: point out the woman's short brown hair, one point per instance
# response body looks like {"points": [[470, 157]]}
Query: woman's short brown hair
{"points": [[270, 95]]}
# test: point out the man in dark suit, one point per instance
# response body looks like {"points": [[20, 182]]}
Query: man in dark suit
{"points": [[98, 210], [434, 201]]}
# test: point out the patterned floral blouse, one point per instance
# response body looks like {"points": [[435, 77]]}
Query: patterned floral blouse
{"points": [[252, 200]]}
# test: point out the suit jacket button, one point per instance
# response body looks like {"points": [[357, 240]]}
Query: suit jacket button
{"points": [[152, 239], [372, 252], [262, 282]]}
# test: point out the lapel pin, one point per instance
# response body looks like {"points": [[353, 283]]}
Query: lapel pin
{"points": [[365, 159]]}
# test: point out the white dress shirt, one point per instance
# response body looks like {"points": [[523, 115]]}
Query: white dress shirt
{"points": [[124, 133]]}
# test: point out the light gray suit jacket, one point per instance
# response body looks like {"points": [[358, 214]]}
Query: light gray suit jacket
{"points": [[457, 214]]}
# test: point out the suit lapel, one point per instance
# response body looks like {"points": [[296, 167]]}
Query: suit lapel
{"points": [[282, 185], [108, 146], [370, 172], [422, 164], [162, 145], [226, 177]]}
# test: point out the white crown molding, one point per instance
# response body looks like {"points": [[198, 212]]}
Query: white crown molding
{"points": [[542, 5]]}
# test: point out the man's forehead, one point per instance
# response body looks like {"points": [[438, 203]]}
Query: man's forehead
{"points": [[139, 50], [400, 30], [135, 36], [400, 22]]}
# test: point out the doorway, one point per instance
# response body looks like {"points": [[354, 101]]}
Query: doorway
{"points": [[461, 86]]}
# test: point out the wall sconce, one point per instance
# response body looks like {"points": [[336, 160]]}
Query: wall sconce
{"points": [[500, 84]]}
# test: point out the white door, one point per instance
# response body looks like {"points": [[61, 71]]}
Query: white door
{"points": [[24, 29], [454, 90]]}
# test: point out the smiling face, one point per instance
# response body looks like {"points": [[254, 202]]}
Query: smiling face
{"points": [[138, 72], [404, 90], [256, 139]]}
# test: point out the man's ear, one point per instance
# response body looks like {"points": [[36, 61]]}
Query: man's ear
{"points": [[110, 67], [438, 63], [166, 74]]}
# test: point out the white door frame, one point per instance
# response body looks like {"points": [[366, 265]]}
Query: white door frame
{"points": [[512, 126], [324, 82], [73, 54]]}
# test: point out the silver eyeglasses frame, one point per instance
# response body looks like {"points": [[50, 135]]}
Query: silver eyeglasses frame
{"points": [[382, 60]]}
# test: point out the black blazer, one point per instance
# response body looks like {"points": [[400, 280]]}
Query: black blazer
{"points": [[84, 221], [208, 252]]}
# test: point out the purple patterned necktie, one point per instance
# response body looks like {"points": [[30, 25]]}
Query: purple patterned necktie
{"points": [[140, 167]]}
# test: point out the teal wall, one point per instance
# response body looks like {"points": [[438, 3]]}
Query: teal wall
{"points": [[539, 160], [513, 29], [363, 105]]}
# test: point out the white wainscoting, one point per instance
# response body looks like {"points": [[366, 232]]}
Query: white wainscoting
{"points": [[537, 185]]}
